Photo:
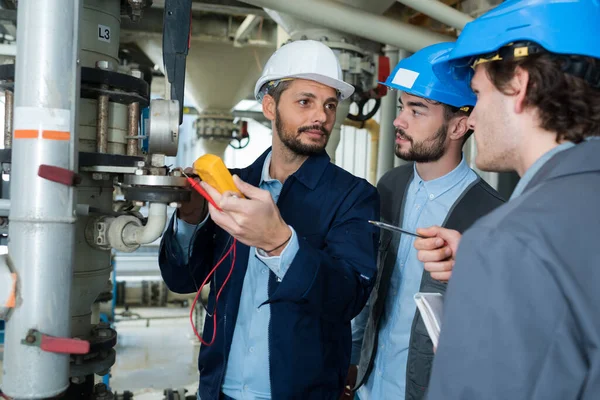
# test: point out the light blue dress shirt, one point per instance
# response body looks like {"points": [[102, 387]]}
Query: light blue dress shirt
{"points": [[427, 203], [247, 375]]}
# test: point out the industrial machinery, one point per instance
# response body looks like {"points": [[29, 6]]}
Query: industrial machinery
{"points": [[80, 169]]}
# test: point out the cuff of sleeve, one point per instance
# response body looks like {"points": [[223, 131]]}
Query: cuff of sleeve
{"points": [[281, 263], [184, 233]]}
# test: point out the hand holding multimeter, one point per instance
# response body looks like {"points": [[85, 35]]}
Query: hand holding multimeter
{"points": [[210, 169], [245, 211]]}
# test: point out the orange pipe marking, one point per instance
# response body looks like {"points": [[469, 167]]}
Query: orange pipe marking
{"points": [[34, 134]]}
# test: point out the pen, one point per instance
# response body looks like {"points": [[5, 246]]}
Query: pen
{"points": [[393, 228]]}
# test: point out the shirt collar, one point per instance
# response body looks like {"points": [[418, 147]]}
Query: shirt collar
{"points": [[536, 166], [309, 173], [441, 185], [265, 176]]}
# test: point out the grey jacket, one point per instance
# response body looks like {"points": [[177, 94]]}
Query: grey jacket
{"points": [[522, 311], [477, 200]]}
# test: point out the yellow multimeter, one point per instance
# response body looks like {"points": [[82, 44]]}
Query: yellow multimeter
{"points": [[213, 171]]}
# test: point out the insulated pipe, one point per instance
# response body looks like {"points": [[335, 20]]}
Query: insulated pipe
{"points": [[42, 213], [102, 124], [373, 128], [157, 220], [440, 12], [82, 209], [356, 22], [133, 120], [336, 133]]}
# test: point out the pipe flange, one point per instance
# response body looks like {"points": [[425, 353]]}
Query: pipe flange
{"points": [[82, 366], [155, 180], [115, 233], [103, 338], [157, 194]]}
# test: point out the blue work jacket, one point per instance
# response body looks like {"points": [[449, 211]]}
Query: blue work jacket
{"points": [[325, 287]]}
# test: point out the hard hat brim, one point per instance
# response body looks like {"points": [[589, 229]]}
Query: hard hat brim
{"points": [[345, 89]]}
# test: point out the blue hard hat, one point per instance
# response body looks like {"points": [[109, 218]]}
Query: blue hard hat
{"points": [[414, 75], [558, 26]]}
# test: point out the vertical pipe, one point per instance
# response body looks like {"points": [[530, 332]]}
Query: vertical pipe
{"points": [[8, 118], [133, 120], [354, 135], [388, 114], [42, 217], [336, 133], [374, 133], [102, 125], [373, 129]]}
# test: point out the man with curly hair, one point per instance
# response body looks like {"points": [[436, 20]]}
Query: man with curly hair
{"points": [[521, 317]]}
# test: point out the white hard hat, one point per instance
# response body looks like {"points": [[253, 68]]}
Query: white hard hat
{"points": [[305, 59]]}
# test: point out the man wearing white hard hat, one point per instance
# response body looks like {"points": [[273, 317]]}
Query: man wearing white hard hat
{"points": [[306, 255]]}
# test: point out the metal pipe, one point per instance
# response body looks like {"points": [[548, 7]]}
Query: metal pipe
{"points": [[4, 207], [42, 220], [336, 133], [440, 12], [388, 114], [133, 120], [102, 125], [373, 128], [374, 137], [8, 118], [244, 31], [157, 220], [356, 22], [82, 209]]}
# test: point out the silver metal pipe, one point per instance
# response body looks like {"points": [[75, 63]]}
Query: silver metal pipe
{"points": [[385, 158], [42, 220], [8, 118], [4, 207], [133, 120], [440, 12], [102, 125], [82, 209], [357, 22]]}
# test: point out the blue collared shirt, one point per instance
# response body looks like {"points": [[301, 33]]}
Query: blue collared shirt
{"points": [[427, 203], [247, 375]]}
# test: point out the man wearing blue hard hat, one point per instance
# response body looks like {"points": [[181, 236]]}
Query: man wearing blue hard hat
{"points": [[435, 187], [521, 317]]}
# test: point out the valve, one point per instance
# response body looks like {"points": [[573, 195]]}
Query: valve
{"points": [[52, 344]]}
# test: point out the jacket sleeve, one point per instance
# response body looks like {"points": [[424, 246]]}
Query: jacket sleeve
{"points": [[180, 274], [336, 281], [505, 322]]}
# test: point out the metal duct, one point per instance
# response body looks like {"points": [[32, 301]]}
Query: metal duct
{"points": [[356, 22], [440, 12]]}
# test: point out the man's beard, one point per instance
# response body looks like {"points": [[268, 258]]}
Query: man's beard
{"points": [[425, 151], [292, 141]]}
